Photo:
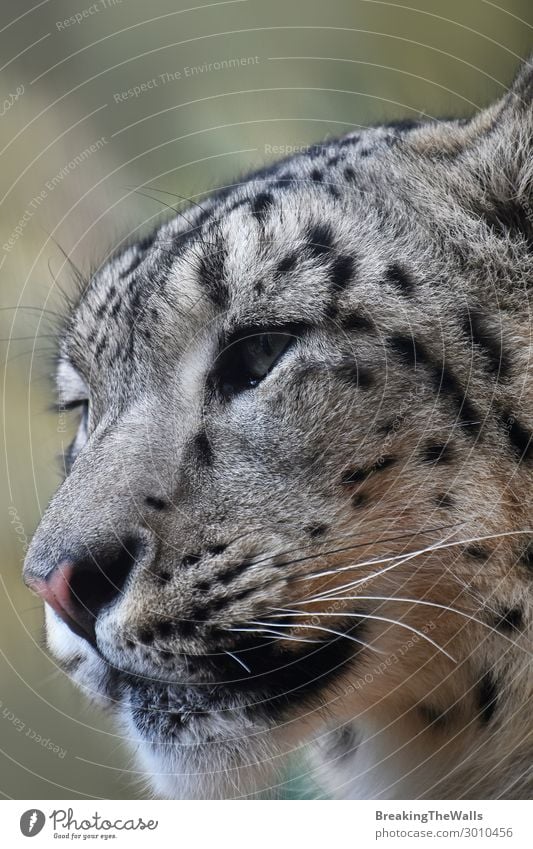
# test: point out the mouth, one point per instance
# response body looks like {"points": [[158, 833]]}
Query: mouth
{"points": [[210, 716], [260, 676], [257, 677]]}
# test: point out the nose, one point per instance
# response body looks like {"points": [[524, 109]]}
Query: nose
{"points": [[78, 589]]}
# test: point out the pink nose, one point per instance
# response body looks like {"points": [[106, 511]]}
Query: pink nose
{"points": [[56, 590], [79, 589]]}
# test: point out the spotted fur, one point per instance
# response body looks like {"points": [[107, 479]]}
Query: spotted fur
{"points": [[338, 556]]}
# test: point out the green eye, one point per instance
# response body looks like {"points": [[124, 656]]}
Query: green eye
{"points": [[248, 360]]}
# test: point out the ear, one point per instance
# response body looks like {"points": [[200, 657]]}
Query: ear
{"points": [[485, 164], [519, 98], [499, 159]]}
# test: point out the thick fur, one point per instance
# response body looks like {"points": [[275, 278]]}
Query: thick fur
{"points": [[342, 555]]}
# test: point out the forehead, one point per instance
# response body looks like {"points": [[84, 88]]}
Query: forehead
{"points": [[281, 246]]}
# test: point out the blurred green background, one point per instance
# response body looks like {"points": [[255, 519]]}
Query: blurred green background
{"points": [[220, 88]]}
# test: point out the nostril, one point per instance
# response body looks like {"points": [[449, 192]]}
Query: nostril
{"points": [[99, 579], [78, 589]]}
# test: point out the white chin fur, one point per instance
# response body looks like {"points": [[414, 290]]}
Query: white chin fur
{"points": [[237, 765], [90, 673]]}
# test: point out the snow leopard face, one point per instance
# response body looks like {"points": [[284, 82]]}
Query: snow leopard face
{"points": [[305, 428]]}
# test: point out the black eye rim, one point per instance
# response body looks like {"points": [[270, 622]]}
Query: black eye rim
{"points": [[67, 406], [229, 375], [68, 456]]}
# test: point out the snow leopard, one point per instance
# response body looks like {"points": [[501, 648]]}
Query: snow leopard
{"points": [[294, 520]]}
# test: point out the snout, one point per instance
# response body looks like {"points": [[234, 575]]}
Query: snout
{"points": [[79, 587]]}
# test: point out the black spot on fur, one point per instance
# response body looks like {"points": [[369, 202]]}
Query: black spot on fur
{"points": [[359, 499], [444, 500], [236, 570], [447, 383], [219, 603], [320, 240], [361, 474], [436, 452], [489, 340], [115, 309], [316, 531], [400, 278], [164, 628], [349, 141], [355, 476], [216, 549], [411, 350], [520, 438], [444, 380], [286, 264], [316, 175], [527, 556], [102, 345], [203, 586], [200, 613], [342, 272], [356, 321], [486, 697], [190, 560], [508, 219], [359, 376], [186, 628], [202, 449], [147, 241], [434, 716], [349, 174], [211, 270], [477, 552], [244, 593], [136, 261], [260, 204], [511, 619], [156, 503], [146, 636]]}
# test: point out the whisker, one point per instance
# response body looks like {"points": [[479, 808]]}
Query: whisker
{"points": [[397, 558], [449, 608], [271, 631], [241, 662], [342, 549], [327, 630], [403, 558], [377, 618]]}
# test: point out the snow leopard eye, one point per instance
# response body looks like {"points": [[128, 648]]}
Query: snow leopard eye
{"points": [[81, 406], [247, 360]]}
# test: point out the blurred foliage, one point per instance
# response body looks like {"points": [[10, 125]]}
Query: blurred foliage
{"points": [[311, 70]]}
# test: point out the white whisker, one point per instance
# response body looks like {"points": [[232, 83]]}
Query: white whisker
{"points": [[327, 630], [241, 662], [471, 617], [401, 558], [378, 619], [272, 632]]}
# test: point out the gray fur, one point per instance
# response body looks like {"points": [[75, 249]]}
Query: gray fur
{"points": [[431, 229]]}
